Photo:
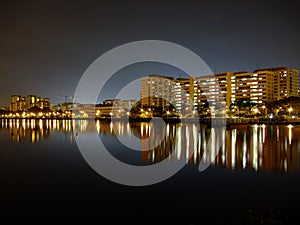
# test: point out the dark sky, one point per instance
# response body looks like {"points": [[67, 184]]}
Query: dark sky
{"points": [[45, 46]]}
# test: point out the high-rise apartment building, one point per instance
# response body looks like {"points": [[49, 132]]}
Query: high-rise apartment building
{"points": [[30, 101], [286, 81], [220, 90], [19, 103], [211, 89], [181, 94], [156, 90], [252, 87]]}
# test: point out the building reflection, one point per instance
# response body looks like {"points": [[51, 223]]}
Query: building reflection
{"points": [[34, 130], [257, 147]]}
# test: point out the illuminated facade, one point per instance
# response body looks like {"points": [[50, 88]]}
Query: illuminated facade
{"points": [[156, 90], [258, 87], [181, 98], [114, 108], [126, 104], [211, 89], [30, 101], [252, 87], [286, 82], [19, 103]]}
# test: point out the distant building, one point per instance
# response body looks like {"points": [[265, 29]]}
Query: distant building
{"points": [[43, 102], [85, 110], [114, 108], [20, 103], [17, 103], [30, 101], [112, 102]]}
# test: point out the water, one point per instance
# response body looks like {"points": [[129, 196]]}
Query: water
{"points": [[44, 176]]}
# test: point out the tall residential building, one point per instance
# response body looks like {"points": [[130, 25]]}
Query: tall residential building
{"points": [[211, 89], [156, 90], [20, 103], [181, 95], [221, 90], [252, 87], [286, 81], [42, 102], [17, 103], [30, 101]]}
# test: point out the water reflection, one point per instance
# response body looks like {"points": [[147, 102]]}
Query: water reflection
{"points": [[34, 130], [257, 147]]}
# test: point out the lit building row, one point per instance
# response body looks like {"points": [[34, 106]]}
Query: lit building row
{"points": [[20, 103], [114, 107], [259, 86]]}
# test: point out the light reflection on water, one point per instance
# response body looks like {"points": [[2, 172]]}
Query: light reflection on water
{"points": [[258, 147]]}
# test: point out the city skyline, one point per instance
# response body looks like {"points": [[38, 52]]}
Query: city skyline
{"points": [[51, 44], [228, 94], [284, 89]]}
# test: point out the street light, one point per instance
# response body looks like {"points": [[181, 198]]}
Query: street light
{"points": [[290, 110], [255, 110]]}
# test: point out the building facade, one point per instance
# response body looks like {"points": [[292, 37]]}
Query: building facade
{"points": [[114, 108], [156, 90], [17, 103], [181, 94], [221, 91], [20, 103], [286, 81]]}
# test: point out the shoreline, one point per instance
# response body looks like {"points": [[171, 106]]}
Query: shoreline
{"points": [[214, 122]]}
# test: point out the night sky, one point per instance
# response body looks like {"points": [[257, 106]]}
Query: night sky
{"points": [[45, 46]]}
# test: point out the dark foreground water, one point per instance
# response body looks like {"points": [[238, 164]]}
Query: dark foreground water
{"points": [[254, 179]]}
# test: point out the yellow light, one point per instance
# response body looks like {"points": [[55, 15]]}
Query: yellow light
{"points": [[255, 110]]}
